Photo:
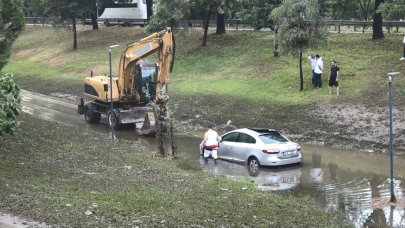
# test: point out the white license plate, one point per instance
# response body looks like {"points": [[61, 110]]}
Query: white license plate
{"points": [[288, 153]]}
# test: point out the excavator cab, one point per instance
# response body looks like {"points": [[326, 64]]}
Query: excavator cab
{"points": [[146, 79]]}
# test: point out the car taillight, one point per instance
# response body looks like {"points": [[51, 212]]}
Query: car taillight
{"points": [[298, 148], [271, 151]]}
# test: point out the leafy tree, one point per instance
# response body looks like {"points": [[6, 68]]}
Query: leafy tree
{"points": [[364, 9], [207, 8], [65, 12], [299, 27], [11, 24], [223, 7], [341, 9], [167, 13], [34, 8], [9, 100], [257, 13], [393, 9], [377, 21]]}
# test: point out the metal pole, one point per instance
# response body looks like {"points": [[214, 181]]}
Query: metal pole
{"points": [[111, 87], [390, 77], [111, 93]]}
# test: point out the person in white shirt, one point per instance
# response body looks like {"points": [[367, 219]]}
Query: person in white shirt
{"points": [[403, 56], [313, 61], [318, 71], [210, 144]]}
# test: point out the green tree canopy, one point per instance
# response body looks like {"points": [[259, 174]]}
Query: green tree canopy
{"points": [[34, 8], [393, 9], [168, 13], [9, 100], [299, 27], [11, 24], [66, 12], [257, 12]]}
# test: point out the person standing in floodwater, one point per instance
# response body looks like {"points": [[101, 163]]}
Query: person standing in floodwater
{"points": [[210, 144]]}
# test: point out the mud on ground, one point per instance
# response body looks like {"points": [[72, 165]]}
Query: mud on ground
{"points": [[342, 125], [347, 125]]}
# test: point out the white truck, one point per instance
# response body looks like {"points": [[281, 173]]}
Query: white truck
{"points": [[126, 14]]}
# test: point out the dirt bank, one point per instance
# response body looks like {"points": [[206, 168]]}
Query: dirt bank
{"points": [[346, 125], [349, 125]]}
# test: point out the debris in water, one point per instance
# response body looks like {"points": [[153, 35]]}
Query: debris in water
{"points": [[88, 212]]}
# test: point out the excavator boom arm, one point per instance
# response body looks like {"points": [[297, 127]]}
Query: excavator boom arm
{"points": [[161, 42]]}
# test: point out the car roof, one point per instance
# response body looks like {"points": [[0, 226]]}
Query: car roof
{"points": [[254, 131]]}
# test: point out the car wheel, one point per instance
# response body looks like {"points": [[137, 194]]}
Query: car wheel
{"points": [[253, 171], [253, 162], [90, 115]]}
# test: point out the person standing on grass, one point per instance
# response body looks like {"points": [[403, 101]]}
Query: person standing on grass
{"points": [[403, 56], [334, 78], [210, 144], [318, 71], [313, 64]]}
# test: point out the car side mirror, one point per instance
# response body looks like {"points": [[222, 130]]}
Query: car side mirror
{"points": [[105, 87]]}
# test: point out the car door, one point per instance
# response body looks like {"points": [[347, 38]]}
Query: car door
{"points": [[245, 147], [227, 144]]}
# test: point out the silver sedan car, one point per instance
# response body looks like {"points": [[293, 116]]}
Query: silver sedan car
{"points": [[258, 146]]}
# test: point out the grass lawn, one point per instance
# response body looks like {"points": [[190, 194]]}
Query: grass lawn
{"points": [[67, 176], [239, 64], [55, 173]]}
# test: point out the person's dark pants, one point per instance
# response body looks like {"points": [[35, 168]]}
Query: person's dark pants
{"points": [[313, 78], [318, 80]]}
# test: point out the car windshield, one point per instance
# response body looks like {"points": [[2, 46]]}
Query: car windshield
{"points": [[272, 137]]}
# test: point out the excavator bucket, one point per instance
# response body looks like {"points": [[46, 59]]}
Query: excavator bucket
{"points": [[148, 127]]}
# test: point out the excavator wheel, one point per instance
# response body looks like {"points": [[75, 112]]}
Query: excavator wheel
{"points": [[113, 120], [90, 115]]}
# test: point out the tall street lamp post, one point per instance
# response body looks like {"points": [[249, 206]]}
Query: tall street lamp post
{"points": [[111, 87], [390, 76]]}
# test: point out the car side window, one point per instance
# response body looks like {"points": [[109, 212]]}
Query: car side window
{"points": [[245, 138], [272, 137], [231, 137]]}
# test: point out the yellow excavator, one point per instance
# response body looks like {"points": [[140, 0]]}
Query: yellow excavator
{"points": [[136, 86]]}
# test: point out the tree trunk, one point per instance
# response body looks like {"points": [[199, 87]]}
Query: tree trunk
{"points": [[94, 20], [149, 8], [220, 24], [206, 25], [377, 22], [301, 74], [74, 34], [275, 52]]}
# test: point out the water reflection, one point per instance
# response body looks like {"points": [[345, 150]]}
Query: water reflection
{"points": [[347, 181], [316, 170]]}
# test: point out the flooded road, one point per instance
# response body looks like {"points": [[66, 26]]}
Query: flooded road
{"points": [[354, 183]]}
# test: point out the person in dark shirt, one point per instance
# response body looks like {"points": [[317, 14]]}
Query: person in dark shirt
{"points": [[334, 78]]}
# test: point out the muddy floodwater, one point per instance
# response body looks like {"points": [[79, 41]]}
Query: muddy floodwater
{"points": [[354, 183]]}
